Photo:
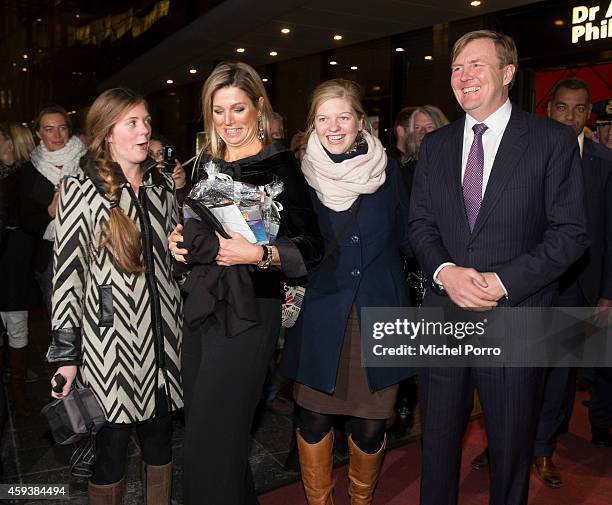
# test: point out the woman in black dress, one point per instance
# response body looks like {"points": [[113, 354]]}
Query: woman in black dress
{"points": [[224, 367]]}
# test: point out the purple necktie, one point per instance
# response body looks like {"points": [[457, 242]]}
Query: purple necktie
{"points": [[472, 179]]}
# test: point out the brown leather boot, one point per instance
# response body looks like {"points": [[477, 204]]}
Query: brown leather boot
{"points": [[547, 472], [19, 367], [363, 473], [316, 463], [157, 484], [109, 494]]}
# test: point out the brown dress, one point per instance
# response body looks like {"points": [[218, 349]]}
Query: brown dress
{"points": [[352, 396]]}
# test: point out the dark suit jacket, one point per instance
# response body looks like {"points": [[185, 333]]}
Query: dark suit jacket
{"points": [[531, 226], [593, 271]]}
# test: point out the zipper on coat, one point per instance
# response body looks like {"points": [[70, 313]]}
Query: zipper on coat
{"points": [[147, 252]]}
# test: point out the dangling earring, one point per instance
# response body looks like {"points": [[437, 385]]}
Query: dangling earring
{"points": [[260, 129]]}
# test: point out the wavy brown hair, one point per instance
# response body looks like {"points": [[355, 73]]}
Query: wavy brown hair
{"points": [[121, 235]]}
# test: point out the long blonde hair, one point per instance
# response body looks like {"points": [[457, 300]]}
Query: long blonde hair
{"points": [[121, 234], [22, 139], [240, 75]]}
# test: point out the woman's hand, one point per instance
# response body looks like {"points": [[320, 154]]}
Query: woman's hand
{"points": [[52, 208], [175, 237], [237, 250], [69, 372], [179, 175]]}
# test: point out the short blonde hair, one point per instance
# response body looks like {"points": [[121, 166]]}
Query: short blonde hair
{"points": [[504, 47], [233, 74], [335, 88]]}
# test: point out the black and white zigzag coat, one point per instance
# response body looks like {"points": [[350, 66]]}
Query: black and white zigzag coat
{"points": [[123, 330]]}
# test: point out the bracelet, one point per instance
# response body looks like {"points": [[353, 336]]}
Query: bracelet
{"points": [[266, 259]]}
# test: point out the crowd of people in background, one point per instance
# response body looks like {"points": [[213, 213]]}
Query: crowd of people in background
{"points": [[153, 314]]}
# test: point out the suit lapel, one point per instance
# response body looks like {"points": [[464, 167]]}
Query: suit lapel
{"points": [[513, 144], [452, 171]]}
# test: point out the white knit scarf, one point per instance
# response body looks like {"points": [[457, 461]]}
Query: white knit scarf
{"points": [[54, 165], [339, 184]]}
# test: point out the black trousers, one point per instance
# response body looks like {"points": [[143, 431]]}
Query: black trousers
{"points": [[222, 380], [600, 410], [154, 435], [510, 399]]}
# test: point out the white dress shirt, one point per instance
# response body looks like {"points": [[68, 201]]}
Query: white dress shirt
{"points": [[491, 138], [581, 142]]}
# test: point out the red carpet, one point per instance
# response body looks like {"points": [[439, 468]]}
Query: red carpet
{"points": [[587, 472]]}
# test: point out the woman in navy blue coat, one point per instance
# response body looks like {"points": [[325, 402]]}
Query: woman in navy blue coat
{"points": [[362, 207]]}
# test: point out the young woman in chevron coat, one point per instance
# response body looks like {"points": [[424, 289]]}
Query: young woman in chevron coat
{"points": [[116, 309]]}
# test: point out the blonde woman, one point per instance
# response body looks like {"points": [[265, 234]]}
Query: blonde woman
{"points": [[116, 308], [224, 371], [362, 206], [19, 291]]}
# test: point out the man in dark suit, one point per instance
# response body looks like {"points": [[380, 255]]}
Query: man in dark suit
{"points": [[497, 215]]}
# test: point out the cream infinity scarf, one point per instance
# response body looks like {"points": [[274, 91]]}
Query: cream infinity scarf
{"points": [[339, 184], [48, 163]]}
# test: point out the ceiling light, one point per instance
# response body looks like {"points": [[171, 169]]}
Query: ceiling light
{"points": [[265, 79], [24, 124], [273, 53], [14, 64], [475, 3], [169, 81], [39, 20], [332, 62], [193, 71], [25, 56], [338, 37], [375, 88], [428, 57], [285, 31], [77, 16], [354, 67], [24, 69], [399, 50], [240, 50], [559, 22]]}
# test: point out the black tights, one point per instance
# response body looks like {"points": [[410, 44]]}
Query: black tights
{"points": [[368, 434], [154, 435]]}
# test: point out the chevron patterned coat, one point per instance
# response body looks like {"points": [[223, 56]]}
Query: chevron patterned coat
{"points": [[123, 330]]}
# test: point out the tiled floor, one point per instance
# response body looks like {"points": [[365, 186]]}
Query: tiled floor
{"points": [[30, 456]]}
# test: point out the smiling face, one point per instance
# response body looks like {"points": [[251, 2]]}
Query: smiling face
{"points": [[235, 118], [336, 124], [129, 138], [422, 126], [570, 107], [479, 82], [54, 131]]}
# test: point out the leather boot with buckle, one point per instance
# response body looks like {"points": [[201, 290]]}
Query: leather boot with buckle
{"points": [[547, 471], [156, 484], [108, 494], [364, 470], [316, 463]]}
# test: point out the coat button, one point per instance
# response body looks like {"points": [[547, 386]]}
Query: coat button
{"points": [[356, 272], [355, 239]]}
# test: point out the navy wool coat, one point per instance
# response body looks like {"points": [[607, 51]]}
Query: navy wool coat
{"points": [[364, 270]]}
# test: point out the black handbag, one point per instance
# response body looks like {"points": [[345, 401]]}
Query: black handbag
{"points": [[74, 417]]}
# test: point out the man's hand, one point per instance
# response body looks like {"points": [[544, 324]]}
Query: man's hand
{"points": [[495, 289], [466, 287]]}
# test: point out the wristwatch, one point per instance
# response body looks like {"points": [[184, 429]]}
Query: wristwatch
{"points": [[266, 259]]}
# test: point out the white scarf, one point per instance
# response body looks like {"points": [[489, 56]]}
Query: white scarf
{"points": [[339, 184], [48, 163]]}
